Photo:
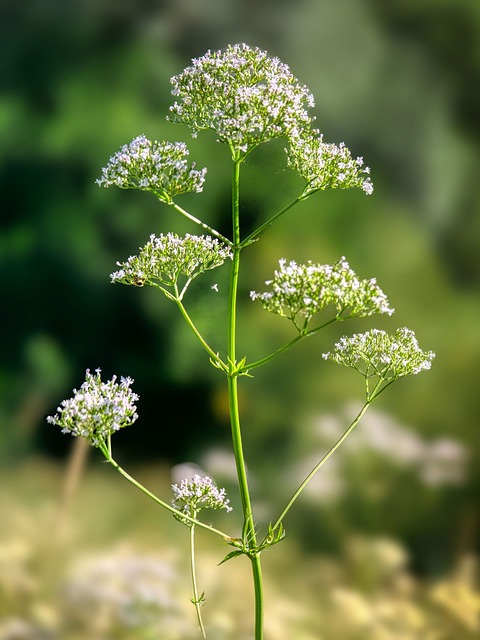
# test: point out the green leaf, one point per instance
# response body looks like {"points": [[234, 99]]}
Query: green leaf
{"points": [[231, 555]]}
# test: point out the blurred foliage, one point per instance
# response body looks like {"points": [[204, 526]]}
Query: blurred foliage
{"points": [[126, 575], [399, 83]]}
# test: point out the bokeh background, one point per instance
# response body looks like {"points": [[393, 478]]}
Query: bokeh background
{"points": [[384, 542]]}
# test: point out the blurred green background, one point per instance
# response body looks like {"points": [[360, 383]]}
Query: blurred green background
{"points": [[399, 82]]}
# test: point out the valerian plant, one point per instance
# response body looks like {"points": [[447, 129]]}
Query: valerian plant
{"points": [[247, 98]]}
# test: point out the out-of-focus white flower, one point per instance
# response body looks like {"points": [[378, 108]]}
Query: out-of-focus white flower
{"points": [[444, 463], [220, 463], [435, 463], [122, 588]]}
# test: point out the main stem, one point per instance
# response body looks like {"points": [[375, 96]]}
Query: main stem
{"points": [[249, 526]]}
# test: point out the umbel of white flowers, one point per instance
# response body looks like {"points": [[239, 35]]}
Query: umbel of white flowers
{"points": [[242, 94], [299, 291], [325, 165], [193, 495], [248, 97], [159, 167], [167, 257], [98, 409], [379, 354]]}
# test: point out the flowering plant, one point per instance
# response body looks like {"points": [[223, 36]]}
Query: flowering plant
{"points": [[247, 98]]}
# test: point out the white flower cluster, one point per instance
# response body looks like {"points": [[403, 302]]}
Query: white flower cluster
{"points": [[299, 291], [159, 167], [166, 257], [379, 354], [97, 409], [326, 166], [199, 492], [126, 590], [243, 94]]}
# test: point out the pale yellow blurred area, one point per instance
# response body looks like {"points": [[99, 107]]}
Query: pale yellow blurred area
{"points": [[110, 565]]}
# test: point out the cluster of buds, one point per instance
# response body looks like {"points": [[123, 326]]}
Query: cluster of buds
{"points": [[159, 167], [378, 354], [98, 409], [299, 291], [167, 257], [193, 495]]}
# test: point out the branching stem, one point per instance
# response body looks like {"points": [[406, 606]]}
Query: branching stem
{"points": [[258, 363], [106, 450]]}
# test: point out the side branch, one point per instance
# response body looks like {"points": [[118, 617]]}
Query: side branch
{"points": [[180, 514], [214, 357], [304, 334], [251, 238], [202, 224], [320, 464]]}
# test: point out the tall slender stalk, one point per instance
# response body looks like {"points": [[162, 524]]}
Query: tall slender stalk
{"points": [[249, 526], [235, 92], [196, 599]]}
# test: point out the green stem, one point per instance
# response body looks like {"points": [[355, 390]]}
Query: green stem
{"points": [[199, 222], [239, 458], [104, 449], [196, 600], [258, 363], [285, 347], [320, 464], [258, 591], [249, 239], [216, 360], [249, 526]]}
